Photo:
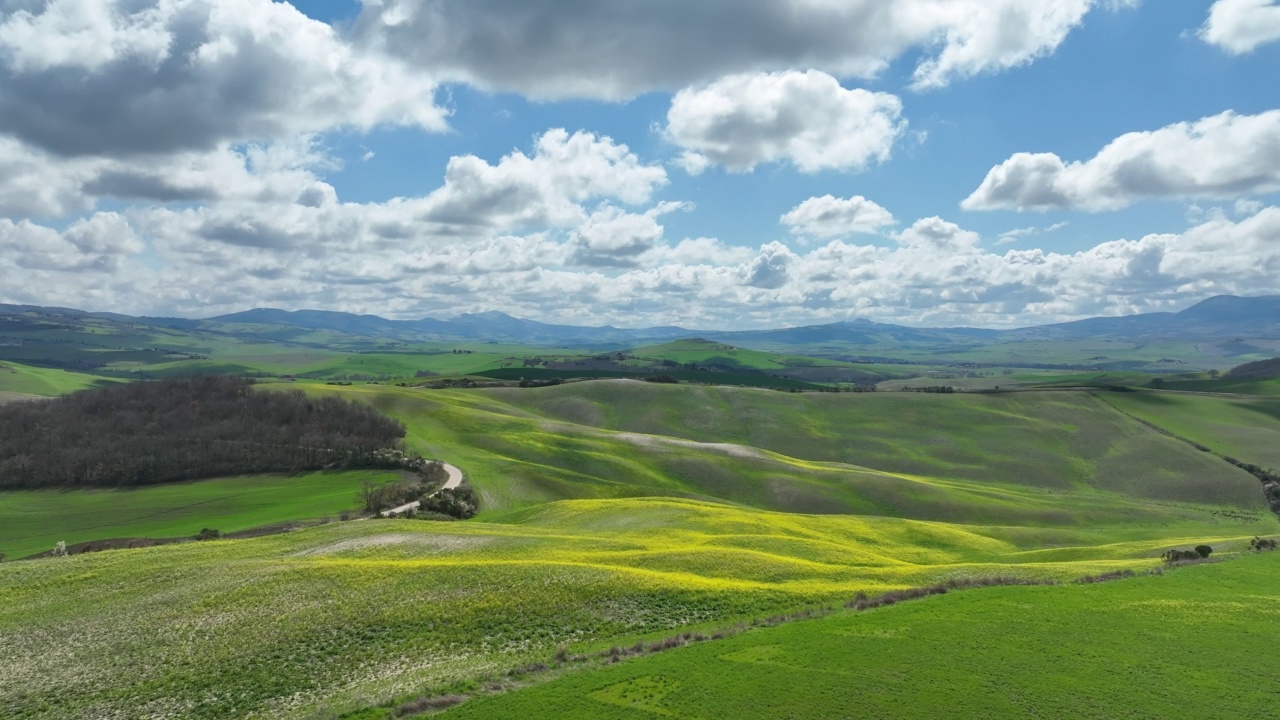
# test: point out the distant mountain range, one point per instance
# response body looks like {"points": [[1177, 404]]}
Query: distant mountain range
{"points": [[1221, 317]]}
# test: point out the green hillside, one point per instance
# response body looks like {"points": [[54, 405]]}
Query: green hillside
{"points": [[604, 439], [43, 382], [1244, 428], [1188, 644], [344, 616]]}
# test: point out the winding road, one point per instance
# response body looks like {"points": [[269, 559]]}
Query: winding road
{"points": [[455, 479]]}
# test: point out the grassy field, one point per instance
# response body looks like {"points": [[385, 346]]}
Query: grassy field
{"points": [[619, 510], [1242, 386], [1244, 428], [33, 521], [43, 382], [1188, 644], [882, 453], [343, 616]]}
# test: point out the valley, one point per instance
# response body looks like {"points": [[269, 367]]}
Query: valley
{"points": [[620, 513]]}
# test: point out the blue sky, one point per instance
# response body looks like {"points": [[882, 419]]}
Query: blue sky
{"points": [[238, 169]]}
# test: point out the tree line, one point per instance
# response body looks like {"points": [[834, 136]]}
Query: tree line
{"points": [[185, 429]]}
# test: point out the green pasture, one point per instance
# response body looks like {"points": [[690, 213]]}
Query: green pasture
{"points": [[1244, 428], [1191, 643], [883, 453], [33, 521], [44, 382], [319, 622], [1235, 386]]}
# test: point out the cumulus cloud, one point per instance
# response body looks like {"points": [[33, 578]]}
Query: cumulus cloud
{"points": [[35, 183], [805, 118], [545, 188], [1240, 26], [333, 256], [121, 78], [769, 268], [829, 216], [95, 244], [612, 237], [617, 49], [1223, 156], [937, 234]]}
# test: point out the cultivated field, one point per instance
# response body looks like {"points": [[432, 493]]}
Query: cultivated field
{"points": [[355, 614], [615, 511], [33, 521], [1187, 644]]}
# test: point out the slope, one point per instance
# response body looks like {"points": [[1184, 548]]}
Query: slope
{"points": [[322, 621], [1183, 645], [1051, 441]]}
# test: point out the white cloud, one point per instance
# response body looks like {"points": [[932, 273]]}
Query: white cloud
{"points": [[805, 118], [617, 49], [97, 244], [611, 237], [1240, 26], [545, 189], [1223, 156], [123, 78], [334, 257], [829, 216], [1011, 236], [1245, 208], [35, 183]]}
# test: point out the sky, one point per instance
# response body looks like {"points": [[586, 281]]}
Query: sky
{"points": [[725, 164]]}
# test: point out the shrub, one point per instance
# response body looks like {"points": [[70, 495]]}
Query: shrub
{"points": [[421, 705], [1256, 544], [460, 503], [208, 534], [1179, 556], [60, 550], [1204, 551]]}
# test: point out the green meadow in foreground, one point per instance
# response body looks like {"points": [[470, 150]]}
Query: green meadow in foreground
{"points": [[616, 511], [350, 615], [33, 521], [1192, 643]]}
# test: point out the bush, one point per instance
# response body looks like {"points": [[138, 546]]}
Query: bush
{"points": [[208, 534], [60, 550], [461, 503], [1204, 551], [377, 498], [1179, 556], [1256, 544]]}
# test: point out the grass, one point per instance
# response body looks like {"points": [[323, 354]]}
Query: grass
{"points": [[620, 510], [33, 521], [743, 379], [1244, 428], [343, 616], [43, 382], [897, 454], [1241, 386], [1192, 643]]}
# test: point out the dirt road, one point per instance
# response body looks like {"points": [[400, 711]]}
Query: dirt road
{"points": [[455, 479]]}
